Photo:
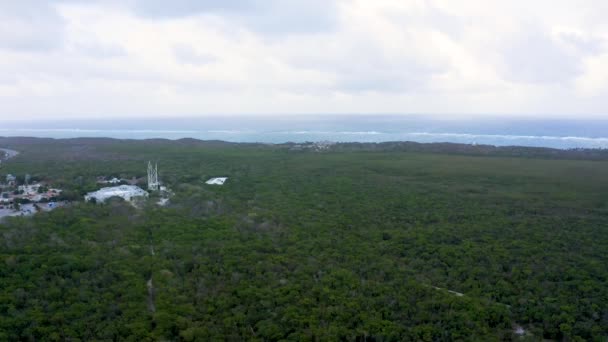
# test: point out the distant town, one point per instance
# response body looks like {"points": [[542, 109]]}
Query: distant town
{"points": [[23, 195]]}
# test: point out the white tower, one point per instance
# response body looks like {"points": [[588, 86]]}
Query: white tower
{"points": [[152, 177]]}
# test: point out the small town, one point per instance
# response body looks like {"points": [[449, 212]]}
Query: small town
{"points": [[23, 197]]}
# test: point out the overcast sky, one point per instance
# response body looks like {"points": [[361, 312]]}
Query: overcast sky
{"points": [[132, 58]]}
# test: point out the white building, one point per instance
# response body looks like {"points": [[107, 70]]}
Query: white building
{"points": [[10, 179], [126, 192], [217, 181], [29, 189]]}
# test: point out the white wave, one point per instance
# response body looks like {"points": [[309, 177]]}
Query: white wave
{"points": [[335, 135], [360, 132], [300, 132], [330, 132], [227, 131], [509, 137], [80, 130], [603, 140]]}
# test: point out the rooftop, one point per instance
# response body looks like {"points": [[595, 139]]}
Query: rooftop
{"points": [[217, 181], [127, 192]]}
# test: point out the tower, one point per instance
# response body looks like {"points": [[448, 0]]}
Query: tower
{"points": [[152, 177]]}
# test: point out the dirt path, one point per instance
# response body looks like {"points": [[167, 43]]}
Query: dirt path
{"points": [[517, 329], [150, 283], [458, 294], [151, 296]]}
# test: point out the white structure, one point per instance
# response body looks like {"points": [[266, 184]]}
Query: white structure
{"points": [[153, 177], [217, 181], [126, 192], [29, 189], [10, 179]]}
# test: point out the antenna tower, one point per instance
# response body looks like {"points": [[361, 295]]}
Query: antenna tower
{"points": [[152, 177]]}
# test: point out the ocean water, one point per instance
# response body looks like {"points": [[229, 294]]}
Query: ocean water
{"points": [[562, 134]]}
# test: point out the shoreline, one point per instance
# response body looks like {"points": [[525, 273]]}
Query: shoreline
{"points": [[512, 142], [28, 145]]}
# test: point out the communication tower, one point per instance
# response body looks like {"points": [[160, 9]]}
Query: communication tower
{"points": [[153, 184]]}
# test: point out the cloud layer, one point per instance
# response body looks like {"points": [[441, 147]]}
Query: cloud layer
{"points": [[76, 58]]}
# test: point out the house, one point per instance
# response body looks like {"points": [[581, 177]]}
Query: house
{"points": [[11, 180], [102, 180], [29, 189]]}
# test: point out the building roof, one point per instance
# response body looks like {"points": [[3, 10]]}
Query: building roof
{"points": [[124, 191], [217, 181]]}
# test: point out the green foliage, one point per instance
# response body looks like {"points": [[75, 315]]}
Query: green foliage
{"points": [[355, 245]]}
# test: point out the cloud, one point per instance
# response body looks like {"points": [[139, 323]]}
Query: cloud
{"points": [[160, 9], [30, 26], [584, 44], [363, 67], [97, 49], [153, 57], [186, 54], [268, 16], [535, 57]]}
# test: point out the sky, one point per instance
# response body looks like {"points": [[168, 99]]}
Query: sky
{"points": [[157, 58]]}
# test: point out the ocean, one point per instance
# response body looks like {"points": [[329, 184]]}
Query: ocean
{"points": [[561, 134]]}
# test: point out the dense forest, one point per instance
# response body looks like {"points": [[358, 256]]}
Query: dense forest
{"points": [[374, 242]]}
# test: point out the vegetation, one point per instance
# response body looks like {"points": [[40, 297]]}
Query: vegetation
{"points": [[367, 244]]}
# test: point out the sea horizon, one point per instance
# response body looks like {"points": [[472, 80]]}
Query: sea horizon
{"points": [[560, 134]]}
